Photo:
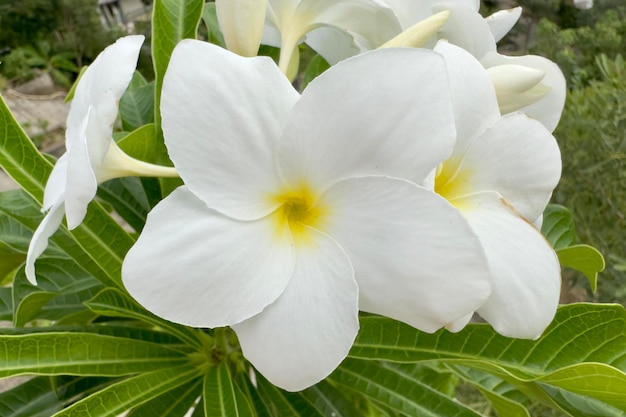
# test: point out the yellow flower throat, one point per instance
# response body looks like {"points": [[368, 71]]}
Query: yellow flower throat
{"points": [[298, 209]]}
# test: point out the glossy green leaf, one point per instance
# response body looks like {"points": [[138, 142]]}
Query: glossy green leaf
{"points": [[141, 143], [137, 104], [128, 198], [397, 390], [124, 330], [174, 403], [44, 396], [81, 354], [62, 288], [172, 21], [122, 396], [584, 343], [558, 226], [209, 16], [222, 396], [98, 245], [19, 158], [114, 303], [583, 258], [6, 304], [282, 403], [496, 391]]}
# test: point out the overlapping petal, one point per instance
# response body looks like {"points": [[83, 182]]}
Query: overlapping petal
{"points": [[194, 266], [473, 96], [518, 158], [368, 22], [416, 259], [222, 118], [303, 336], [549, 108], [383, 112], [101, 87], [241, 22], [502, 21], [525, 269]]}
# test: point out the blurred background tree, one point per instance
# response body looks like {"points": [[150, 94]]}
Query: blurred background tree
{"points": [[54, 36], [589, 46]]}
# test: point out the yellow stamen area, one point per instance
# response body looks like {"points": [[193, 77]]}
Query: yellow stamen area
{"points": [[298, 209], [453, 181]]}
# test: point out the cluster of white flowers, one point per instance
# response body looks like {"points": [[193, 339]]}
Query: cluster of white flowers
{"points": [[407, 182]]}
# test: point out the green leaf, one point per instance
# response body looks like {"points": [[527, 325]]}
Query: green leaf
{"points": [[141, 143], [62, 288], [19, 158], [172, 21], [174, 403], [558, 226], [128, 198], [81, 354], [44, 396], [137, 104], [328, 400], [98, 245], [317, 66], [583, 258], [495, 390], [582, 344], [122, 396], [222, 397], [209, 16], [6, 304], [282, 403], [124, 330], [114, 303], [397, 390]]}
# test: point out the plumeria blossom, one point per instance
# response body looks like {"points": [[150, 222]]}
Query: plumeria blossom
{"points": [[92, 155], [352, 25], [537, 84], [297, 211], [500, 176]]}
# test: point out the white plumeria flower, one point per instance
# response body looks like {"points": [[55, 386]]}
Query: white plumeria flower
{"points": [[348, 25], [542, 100], [92, 156], [500, 176], [292, 201]]}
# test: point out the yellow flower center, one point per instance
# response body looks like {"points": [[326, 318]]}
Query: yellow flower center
{"points": [[452, 181], [298, 209]]}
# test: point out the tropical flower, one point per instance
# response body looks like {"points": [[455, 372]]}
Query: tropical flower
{"points": [[299, 210], [92, 155], [348, 25], [500, 176], [543, 99]]}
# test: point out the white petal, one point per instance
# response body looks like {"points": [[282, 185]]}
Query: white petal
{"points": [[332, 44], [416, 259], [304, 335], [39, 241], [409, 12], [525, 269], [518, 158], [547, 110], [101, 86], [241, 22], [81, 182], [55, 187], [466, 28], [222, 117], [502, 21], [383, 112], [473, 95], [196, 267]]}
